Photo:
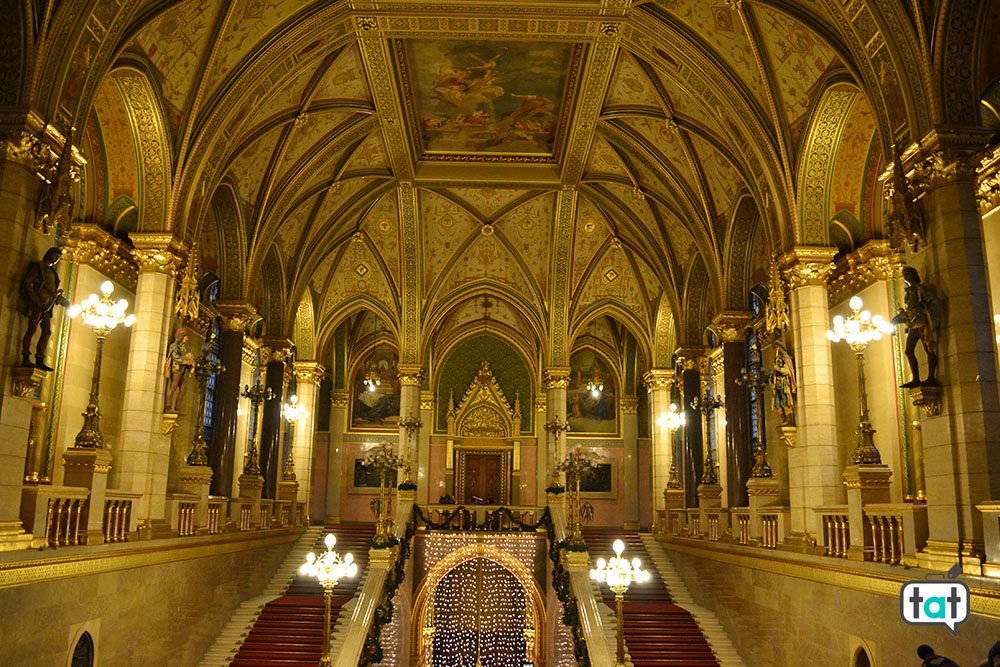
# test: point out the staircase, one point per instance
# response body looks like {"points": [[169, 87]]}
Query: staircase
{"points": [[288, 630], [657, 631]]}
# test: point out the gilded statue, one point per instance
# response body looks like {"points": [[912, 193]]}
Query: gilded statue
{"points": [[783, 382], [40, 293], [178, 365], [921, 313]]}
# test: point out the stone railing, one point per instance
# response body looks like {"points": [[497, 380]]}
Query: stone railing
{"points": [[182, 509], [741, 524], [712, 518], [694, 523], [241, 514], [769, 531], [835, 531], [678, 521], [898, 531], [119, 520], [216, 514], [266, 514], [53, 514]]}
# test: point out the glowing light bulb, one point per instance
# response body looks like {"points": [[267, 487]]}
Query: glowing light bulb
{"points": [[107, 287], [330, 540], [619, 547], [855, 303]]}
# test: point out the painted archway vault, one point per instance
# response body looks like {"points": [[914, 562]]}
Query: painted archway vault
{"points": [[422, 630]]}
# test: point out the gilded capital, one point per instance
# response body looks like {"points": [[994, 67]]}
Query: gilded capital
{"points": [[988, 191], [158, 253], [556, 377], [731, 325], [427, 400], [945, 155], [90, 244], [411, 375], [235, 315], [311, 372], [869, 264], [807, 265], [690, 357], [250, 348], [659, 379], [276, 349]]}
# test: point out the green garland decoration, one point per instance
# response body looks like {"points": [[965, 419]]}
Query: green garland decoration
{"points": [[462, 512], [371, 653]]}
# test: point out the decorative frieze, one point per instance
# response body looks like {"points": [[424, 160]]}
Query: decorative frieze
{"points": [[338, 399], [630, 405], [250, 347], [659, 379], [90, 244], [25, 380], [869, 264], [411, 375]]}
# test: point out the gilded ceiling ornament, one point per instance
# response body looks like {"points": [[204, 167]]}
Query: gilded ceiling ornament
{"points": [[367, 23], [807, 265], [776, 310], [486, 230], [557, 378], [872, 262], [301, 119], [904, 219], [91, 244], [411, 376], [988, 193], [187, 305]]}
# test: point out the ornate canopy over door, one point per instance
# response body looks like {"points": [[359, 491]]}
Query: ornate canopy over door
{"points": [[484, 411]]}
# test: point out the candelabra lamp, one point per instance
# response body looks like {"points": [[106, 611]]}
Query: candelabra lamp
{"points": [[384, 457], [619, 574], [411, 425], [755, 379], [205, 367], [103, 314], [328, 568], [672, 420], [257, 394], [555, 427], [707, 404], [293, 412], [577, 461], [858, 330]]}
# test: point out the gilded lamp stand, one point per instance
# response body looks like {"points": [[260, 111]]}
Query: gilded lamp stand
{"points": [[619, 573], [257, 394], [205, 367], [328, 568], [577, 461], [384, 457]]}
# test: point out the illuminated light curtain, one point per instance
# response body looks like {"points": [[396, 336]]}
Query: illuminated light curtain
{"points": [[479, 614]]}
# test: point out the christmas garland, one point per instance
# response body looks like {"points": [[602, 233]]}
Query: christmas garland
{"points": [[463, 512], [564, 593], [372, 652]]}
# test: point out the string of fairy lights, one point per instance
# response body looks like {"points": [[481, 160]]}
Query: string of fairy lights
{"points": [[521, 547]]}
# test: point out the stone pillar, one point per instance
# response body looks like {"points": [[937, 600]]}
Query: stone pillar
{"points": [[335, 465], [143, 455], [630, 491], [731, 326], [962, 461], [411, 378], [15, 422], [89, 468], [866, 484], [556, 380], [197, 480], [308, 375], [236, 316], [542, 450], [694, 452], [814, 468], [275, 351], [659, 382], [424, 492]]}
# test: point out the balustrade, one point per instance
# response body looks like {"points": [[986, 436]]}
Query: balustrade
{"points": [[741, 523], [216, 515], [897, 531], [835, 536], [769, 531], [481, 516], [55, 514], [266, 514]]}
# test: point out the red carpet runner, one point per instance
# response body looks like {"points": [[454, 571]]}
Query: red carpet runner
{"points": [[289, 631], [657, 632]]}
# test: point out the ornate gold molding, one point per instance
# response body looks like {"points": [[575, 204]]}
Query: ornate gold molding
{"points": [[630, 405], [927, 399], [661, 379], [872, 262], [24, 381], [427, 400], [90, 244], [690, 357], [731, 324], [158, 252], [338, 399], [250, 347], [36, 145], [945, 155], [311, 372], [235, 315], [556, 377], [411, 375], [988, 192], [807, 265], [276, 349]]}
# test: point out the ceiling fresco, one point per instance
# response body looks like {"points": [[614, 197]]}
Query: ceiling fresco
{"points": [[477, 98]]}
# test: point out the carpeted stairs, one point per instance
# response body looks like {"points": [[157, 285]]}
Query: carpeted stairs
{"points": [[289, 630], [657, 631]]}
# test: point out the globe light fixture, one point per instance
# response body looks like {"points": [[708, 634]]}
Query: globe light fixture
{"points": [[858, 330], [619, 573], [328, 568], [103, 314], [293, 412]]}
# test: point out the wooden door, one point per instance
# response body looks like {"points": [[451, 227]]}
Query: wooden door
{"points": [[482, 479]]}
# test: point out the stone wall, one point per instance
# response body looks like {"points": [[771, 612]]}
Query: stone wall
{"points": [[164, 614], [776, 620]]}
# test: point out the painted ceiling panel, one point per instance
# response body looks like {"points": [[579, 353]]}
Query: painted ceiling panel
{"points": [[528, 229], [446, 226], [336, 197], [847, 179], [630, 86], [612, 278], [488, 201], [382, 226], [604, 160], [666, 142], [249, 167], [292, 228], [116, 131], [318, 127], [370, 154], [592, 230], [471, 311], [251, 20], [345, 80], [288, 98], [358, 273], [176, 43], [488, 258], [723, 179]]}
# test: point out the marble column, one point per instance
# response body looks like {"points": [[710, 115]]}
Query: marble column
{"points": [[276, 352], [236, 316], [814, 467], [731, 326], [961, 459], [335, 460], [556, 381], [542, 455], [308, 375], [694, 448], [659, 382], [630, 490], [424, 492], [411, 377], [144, 451], [24, 154]]}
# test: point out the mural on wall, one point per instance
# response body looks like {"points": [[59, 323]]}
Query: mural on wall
{"points": [[591, 410], [369, 477], [597, 479], [376, 391], [488, 96]]}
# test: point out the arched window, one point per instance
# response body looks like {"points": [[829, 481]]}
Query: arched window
{"points": [[83, 653], [861, 659]]}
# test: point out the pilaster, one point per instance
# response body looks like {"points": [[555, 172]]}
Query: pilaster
{"points": [[308, 375], [275, 353], [630, 492], [556, 382], [690, 359], [235, 316], [335, 460], [731, 326], [659, 382], [89, 468]]}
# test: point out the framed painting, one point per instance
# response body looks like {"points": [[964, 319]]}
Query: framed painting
{"points": [[592, 395], [375, 389]]}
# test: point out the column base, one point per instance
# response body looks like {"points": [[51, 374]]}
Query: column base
{"points": [[941, 555], [674, 498], [13, 537]]}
